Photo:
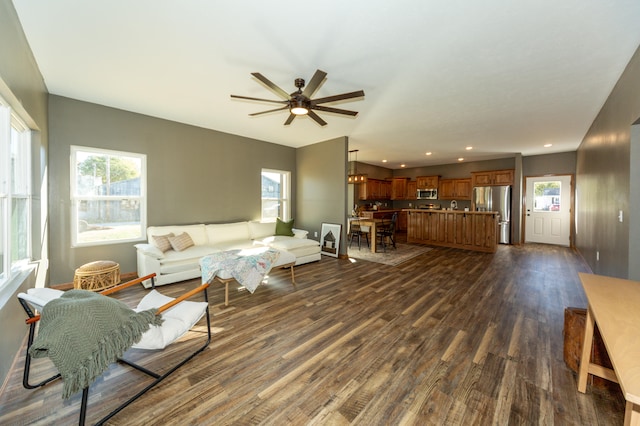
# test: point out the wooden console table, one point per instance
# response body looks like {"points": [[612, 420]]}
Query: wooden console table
{"points": [[614, 304]]}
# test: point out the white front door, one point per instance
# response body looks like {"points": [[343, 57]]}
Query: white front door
{"points": [[548, 210]]}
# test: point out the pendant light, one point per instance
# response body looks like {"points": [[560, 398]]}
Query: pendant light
{"points": [[353, 176]]}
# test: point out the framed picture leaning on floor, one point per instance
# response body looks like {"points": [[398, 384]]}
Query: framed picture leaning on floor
{"points": [[330, 239]]}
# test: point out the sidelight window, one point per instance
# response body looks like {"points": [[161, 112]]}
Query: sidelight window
{"points": [[276, 195], [15, 193]]}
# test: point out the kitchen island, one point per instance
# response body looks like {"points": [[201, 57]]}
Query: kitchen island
{"points": [[379, 214], [453, 228]]}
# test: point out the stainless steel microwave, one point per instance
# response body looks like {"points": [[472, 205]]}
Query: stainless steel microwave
{"points": [[427, 194]]}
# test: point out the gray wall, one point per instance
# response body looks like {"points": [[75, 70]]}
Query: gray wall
{"points": [[603, 175], [634, 202], [22, 85], [563, 163], [322, 186], [456, 170], [194, 175]]}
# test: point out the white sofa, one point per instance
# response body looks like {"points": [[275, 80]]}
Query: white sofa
{"points": [[172, 266]]}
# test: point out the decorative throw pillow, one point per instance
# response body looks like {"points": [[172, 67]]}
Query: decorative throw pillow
{"points": [[284, 228], [181, 242], [162, 241]]}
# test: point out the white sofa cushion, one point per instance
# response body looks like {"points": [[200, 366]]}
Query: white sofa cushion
{"points": [[192, 253], [225, 232], [179, 266], [300, 233], [233, 245], [150, 250], [196, 232], [297, 246], [261, 230]]}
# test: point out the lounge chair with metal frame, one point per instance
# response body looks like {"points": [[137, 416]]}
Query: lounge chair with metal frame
{"points": [[178, 320]]}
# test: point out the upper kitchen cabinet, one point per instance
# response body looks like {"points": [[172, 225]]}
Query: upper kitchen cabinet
{"points": [[399, 188], [375, 189], [493, 177], [427, 182], [454, 189], [412, 190]]}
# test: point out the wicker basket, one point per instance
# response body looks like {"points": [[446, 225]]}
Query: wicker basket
{"points": [[97, 275]]}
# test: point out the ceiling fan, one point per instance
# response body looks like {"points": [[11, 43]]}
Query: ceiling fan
{"points": [[300, 102]]}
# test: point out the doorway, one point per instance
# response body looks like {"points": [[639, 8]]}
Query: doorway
{"points": [[548, 209]]}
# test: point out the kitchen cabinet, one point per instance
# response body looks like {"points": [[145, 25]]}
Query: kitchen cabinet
{"points": [[412, 190], [416, 226], [385, 189], [399, 188], [374, 189], [401, 225], [493, 177], [476, 231], [454, 189], [427, 182]]}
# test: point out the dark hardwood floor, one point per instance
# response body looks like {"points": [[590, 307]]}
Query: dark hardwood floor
{"points": [[451, 337]]}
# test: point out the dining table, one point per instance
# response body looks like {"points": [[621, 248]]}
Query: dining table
{"points": [[372, 224]]}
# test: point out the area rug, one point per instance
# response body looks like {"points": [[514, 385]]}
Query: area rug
{"points": [[393, 257]]}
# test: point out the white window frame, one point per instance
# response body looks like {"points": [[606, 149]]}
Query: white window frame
{"points": [[76, 198], [8, 194], [284, 197]]}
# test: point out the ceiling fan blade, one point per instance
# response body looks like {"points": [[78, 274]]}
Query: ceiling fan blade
{"points": [[278, 91], [315, 82], [317, 118], [258, 99], [290, 119], [271, 110], [357, 94], [335, 110]]}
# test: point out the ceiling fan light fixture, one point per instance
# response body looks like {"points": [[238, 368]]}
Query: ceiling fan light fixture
{"points": [[298, 107], [300, 102]]}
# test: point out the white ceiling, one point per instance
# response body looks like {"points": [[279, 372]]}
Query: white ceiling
{"points": [[439, 75]]}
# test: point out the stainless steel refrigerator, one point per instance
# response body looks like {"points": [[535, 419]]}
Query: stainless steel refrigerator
{"points": [[498, 199]]}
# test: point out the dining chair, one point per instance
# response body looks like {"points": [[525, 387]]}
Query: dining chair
{"points": [[387, 230], [357, 230]]}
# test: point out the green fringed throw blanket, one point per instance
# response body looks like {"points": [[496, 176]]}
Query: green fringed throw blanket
{"points": [[84, 332]]}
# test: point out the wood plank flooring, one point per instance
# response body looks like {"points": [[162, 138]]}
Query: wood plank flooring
{"points": [[451, 337]]}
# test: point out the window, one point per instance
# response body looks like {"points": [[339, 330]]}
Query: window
{"points": [[15, 193], [547, 196], [276, 193], [108, 196]]}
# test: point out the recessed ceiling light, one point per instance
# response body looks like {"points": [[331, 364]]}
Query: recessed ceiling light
{"points": [[469, 148], [428, 153], [460, 159], [384, 161], [547, 145]]}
